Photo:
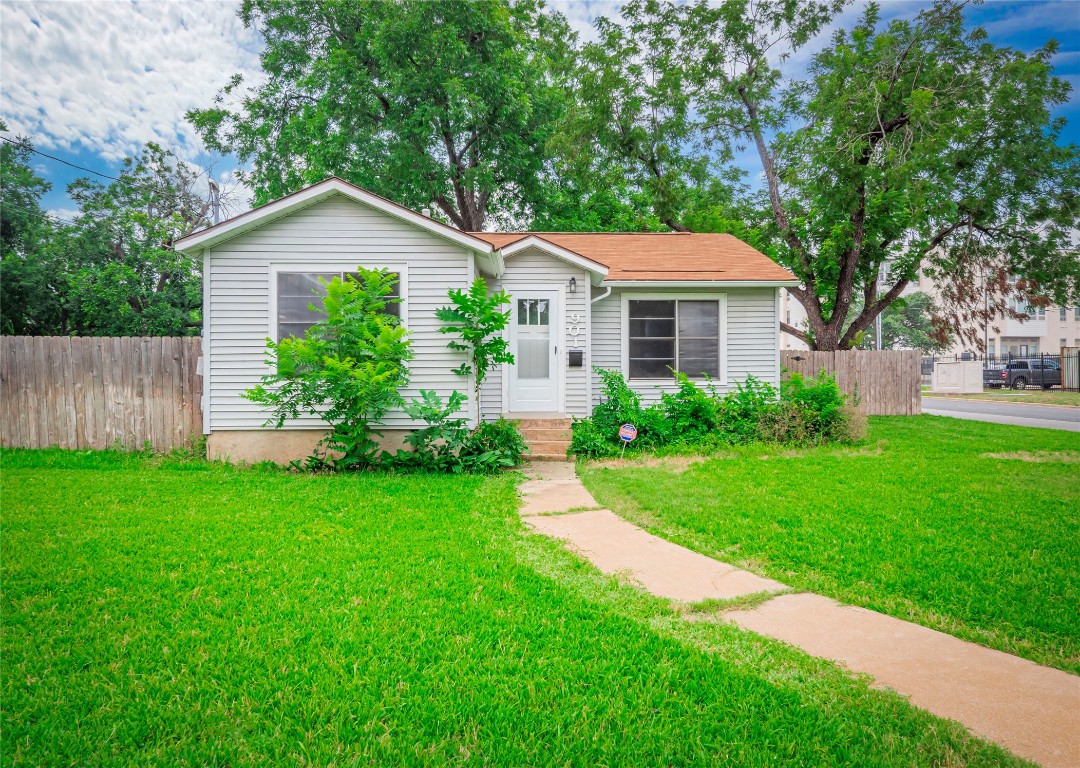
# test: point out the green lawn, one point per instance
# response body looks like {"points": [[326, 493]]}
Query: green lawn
{"points": [[935, 520], [167, 613]]}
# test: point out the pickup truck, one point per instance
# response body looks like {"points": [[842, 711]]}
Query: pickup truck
{"points": [[1020, 374]]}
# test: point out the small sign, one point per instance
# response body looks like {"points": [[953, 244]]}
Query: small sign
{"points": [[627, 432]]}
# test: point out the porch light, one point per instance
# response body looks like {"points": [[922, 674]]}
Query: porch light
{"points": [[573, 285]]}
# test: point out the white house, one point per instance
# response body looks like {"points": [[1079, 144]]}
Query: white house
{"points": [[637, 303]]}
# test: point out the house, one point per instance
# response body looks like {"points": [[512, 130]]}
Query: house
{"points": [[706, 304]]}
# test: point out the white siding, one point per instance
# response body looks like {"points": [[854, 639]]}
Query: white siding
{"points": [[535, 269], [752, 336], [335, 232]]}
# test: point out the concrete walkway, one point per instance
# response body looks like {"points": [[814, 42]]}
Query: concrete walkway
{"points": [[1031, 710]]}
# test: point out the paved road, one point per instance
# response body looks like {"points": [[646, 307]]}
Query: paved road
{"points": [[1020, 414]]}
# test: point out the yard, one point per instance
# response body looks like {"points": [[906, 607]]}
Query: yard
{"points": [[172, 612], [966, 527]]}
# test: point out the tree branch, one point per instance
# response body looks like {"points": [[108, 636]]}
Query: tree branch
{"points": [[791, 330]]}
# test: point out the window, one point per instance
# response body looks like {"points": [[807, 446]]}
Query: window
{"points": [[298, 291], [683, 334], [1076, 313], [1062, 343], [1061, 314], [1041, 313]]}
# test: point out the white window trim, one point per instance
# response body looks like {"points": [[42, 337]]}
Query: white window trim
{"points": [[624, 330], [333, 266]]}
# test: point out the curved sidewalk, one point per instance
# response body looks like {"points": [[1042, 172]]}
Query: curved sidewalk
{"points": [[1033, 711]]}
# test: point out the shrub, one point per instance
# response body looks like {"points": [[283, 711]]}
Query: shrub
{"points": [[347, 369], [495, 444], [691, 413], [801, 411], [447, 445], [741, 410]]}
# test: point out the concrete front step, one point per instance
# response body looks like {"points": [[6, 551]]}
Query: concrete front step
{"points": [[548, 450], [544, 423], [542, 433]]}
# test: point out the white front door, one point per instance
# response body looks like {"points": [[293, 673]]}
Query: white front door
{"points": [[533, 383]]}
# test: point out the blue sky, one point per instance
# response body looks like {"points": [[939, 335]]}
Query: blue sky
{"points": [[91, 82]]}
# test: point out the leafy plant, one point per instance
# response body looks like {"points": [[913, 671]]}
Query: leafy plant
{"points": [[447, 445], [691, 412], [347, 369], [476, 319]]}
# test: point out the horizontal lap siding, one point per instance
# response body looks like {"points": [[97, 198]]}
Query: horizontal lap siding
{"points": [[340, 232], [751, 337], [534, 269]]}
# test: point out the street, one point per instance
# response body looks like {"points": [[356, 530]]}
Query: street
{"points": [[1019, 414]]}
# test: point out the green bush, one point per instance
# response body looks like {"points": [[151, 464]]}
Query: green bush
{"points": [[347, 369], [802, 411], [447, 445]]}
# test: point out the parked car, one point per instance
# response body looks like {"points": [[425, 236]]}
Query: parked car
{"points": [[1020, 374]]}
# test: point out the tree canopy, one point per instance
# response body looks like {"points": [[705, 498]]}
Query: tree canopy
{"points": [[444, 104]]}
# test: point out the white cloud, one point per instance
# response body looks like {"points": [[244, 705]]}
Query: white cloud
{"points": [[106, 77]]}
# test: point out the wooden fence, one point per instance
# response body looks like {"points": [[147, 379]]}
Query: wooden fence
{"points": [[887, 383], [99, 392]]}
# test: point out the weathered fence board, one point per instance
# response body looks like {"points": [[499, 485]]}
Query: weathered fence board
{"points": [[76, 392], [887, 383]]}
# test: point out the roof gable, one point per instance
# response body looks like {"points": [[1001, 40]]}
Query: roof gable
{"points": [[258, 217]]}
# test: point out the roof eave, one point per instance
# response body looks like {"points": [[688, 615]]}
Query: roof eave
{"points": [[597, 271], [701, 283]]}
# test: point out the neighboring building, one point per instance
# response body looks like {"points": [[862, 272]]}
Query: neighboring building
{"points": [[707, 304], [1046, 331]]}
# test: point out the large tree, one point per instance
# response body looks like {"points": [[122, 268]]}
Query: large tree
{"points": [[31, 276], [916, 144], [631, 127], [445, 104], [128, 280]]}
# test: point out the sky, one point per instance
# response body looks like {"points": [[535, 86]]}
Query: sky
{"points": [[92, 81]]}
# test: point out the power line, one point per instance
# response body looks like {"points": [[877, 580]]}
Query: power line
{"points": [[29, 146], [47, 215]]}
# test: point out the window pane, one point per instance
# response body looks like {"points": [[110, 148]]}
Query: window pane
{"points": [[701, 349], [543, 312], [285, 330], [656, 348], [662, 309], [661, 328], [650, 369], [303, 284], [533, 358], [696, 368], [699, 318], [523, 311]]}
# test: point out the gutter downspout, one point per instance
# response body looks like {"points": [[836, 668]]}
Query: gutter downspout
{"points": [[603, 295]]}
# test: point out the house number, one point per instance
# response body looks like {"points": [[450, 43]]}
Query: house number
{"points": [[574, 328]]}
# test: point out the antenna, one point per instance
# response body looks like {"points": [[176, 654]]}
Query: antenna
{"points": [[215, 199]]}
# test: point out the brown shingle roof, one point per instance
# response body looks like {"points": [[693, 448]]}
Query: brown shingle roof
{"points": [[665, 256]]}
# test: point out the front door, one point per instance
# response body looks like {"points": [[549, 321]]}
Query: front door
{"points": [[533, 385]]}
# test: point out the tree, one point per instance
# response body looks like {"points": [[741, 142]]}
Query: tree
{"points": [[479, 324], [445, 104], [632, 126], [920, 145], [32, 280], [907, 323], [347, 370], [129, 280]]}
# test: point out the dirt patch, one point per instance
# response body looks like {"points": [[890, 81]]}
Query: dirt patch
{"points": [[675, 464], [1061, 457]]}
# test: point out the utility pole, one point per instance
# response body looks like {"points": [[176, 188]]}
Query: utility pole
{"points": [[215, 199]]}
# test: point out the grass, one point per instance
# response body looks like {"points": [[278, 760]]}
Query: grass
{"points": [[1043, 396], [967, 527], [161, 612]]}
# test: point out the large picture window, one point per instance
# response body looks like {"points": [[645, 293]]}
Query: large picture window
{"points": [[298, 291], [679, 334]]}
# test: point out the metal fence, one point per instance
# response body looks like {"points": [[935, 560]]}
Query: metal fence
{"points": [[1057, 371]]}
